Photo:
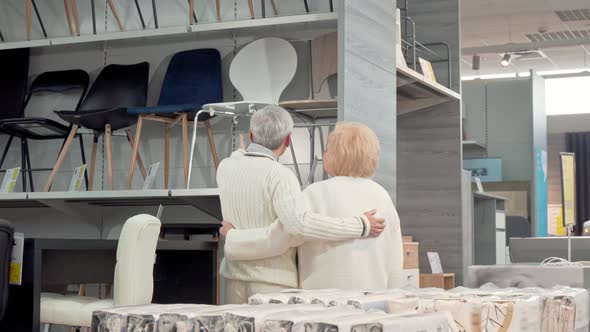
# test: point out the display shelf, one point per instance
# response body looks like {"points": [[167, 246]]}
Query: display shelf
{"points": [[313, 109], [284, 24], [14, 200], [105, 198], [473, 145], [205, 199], [414, 92]]}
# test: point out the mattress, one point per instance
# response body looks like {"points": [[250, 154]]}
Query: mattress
{"points": [[340, 323], [251, 319], [115, 319], [431, 322]]}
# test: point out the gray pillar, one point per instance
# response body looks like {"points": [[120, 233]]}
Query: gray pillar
{"points": [[366, 75]]}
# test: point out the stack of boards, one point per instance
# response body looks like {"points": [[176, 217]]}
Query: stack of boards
{"points": [[490, 309]]}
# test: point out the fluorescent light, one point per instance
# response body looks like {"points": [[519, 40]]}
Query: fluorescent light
{"points": [[505, 60], [487, 77]]}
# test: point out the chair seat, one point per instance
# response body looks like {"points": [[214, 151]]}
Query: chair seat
{"points": [[118, 118], [34, 128], [171, 110], [237, 107], [70, 310]]}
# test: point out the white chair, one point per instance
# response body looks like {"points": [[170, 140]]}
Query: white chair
{"points": [[260, 72], [134, 281]]}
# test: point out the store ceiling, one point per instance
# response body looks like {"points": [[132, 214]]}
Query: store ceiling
{"points": [[559, 29]]}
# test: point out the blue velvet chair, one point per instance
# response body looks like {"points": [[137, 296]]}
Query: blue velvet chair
{"points": [[193, 79]]}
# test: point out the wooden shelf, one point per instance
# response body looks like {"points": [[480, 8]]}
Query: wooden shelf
{"points": [[473, 145], [276, 25], [414, 92]]}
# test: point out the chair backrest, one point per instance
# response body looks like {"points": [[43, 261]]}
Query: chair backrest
{"points": [[193, 77], [6, 240], [118, 86], [136, 252], [324, 59], [13, 82], [262, 69], [61, 82]]}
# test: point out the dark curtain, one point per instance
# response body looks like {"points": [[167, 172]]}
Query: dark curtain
{"points": [[579, 143]]}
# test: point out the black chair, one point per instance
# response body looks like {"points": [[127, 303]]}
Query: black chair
{"points": [[55, 83], [6, 241], [13, 89], [104, 110]]}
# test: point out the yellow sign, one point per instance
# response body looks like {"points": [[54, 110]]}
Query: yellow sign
{"points": [[568, 187]]}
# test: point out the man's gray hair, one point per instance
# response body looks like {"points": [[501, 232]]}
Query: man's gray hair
{"points": [[270, 126]]}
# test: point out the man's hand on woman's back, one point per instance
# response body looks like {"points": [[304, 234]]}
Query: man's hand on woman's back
{"points": [[377, 224]]}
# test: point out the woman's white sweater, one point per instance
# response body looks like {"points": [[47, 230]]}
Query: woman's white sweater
{"points": [[369, 263]]}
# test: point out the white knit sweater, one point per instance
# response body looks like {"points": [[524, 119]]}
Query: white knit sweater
{"points": [[360, 264], [255, 191]]}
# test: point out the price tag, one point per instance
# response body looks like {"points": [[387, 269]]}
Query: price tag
{"points": [[435, 265], [427, 70], [16, 261], [77, 178], [10, 180], [151, 176]]}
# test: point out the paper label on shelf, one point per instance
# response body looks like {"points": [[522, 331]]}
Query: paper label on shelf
{"points": [[151, 176], [77, 177], [555, 220], [427, 70], [16, 261], [10, 180], [435, 265]]}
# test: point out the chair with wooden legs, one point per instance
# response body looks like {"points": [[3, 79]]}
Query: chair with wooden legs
{"points": [[54, 85], [193, 78], [104, 110]]}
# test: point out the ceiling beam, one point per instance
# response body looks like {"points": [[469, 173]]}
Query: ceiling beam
{"points": [[519, 47]]}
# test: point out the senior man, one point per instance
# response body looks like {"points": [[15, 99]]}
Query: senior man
{"points": [[255, 190]]}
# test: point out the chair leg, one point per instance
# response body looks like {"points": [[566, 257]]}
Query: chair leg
{"points": [[191, 10], [6, 148], [306, 6], [251, 7], [28, 9], [108, 144], [92, 162], [39, 18], [155, 10], [185, 145], [140, 14], [166, 155], [23, 163], [331, 5], [29, 167], [139, 161], [69, 18], [83, 154], [274, 7], [61, 157], [135, 151], [108, 291], [212, 144], [115, 14], [218, 9], [76, 20]]}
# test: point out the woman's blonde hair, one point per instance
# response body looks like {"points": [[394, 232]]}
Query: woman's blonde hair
{"points": [[353, 150]]}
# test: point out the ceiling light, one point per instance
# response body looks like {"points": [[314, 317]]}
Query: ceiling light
{"points": [[505, 60], [476, 62]]}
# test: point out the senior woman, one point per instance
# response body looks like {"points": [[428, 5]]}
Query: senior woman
{"points": [[351, 157]]}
